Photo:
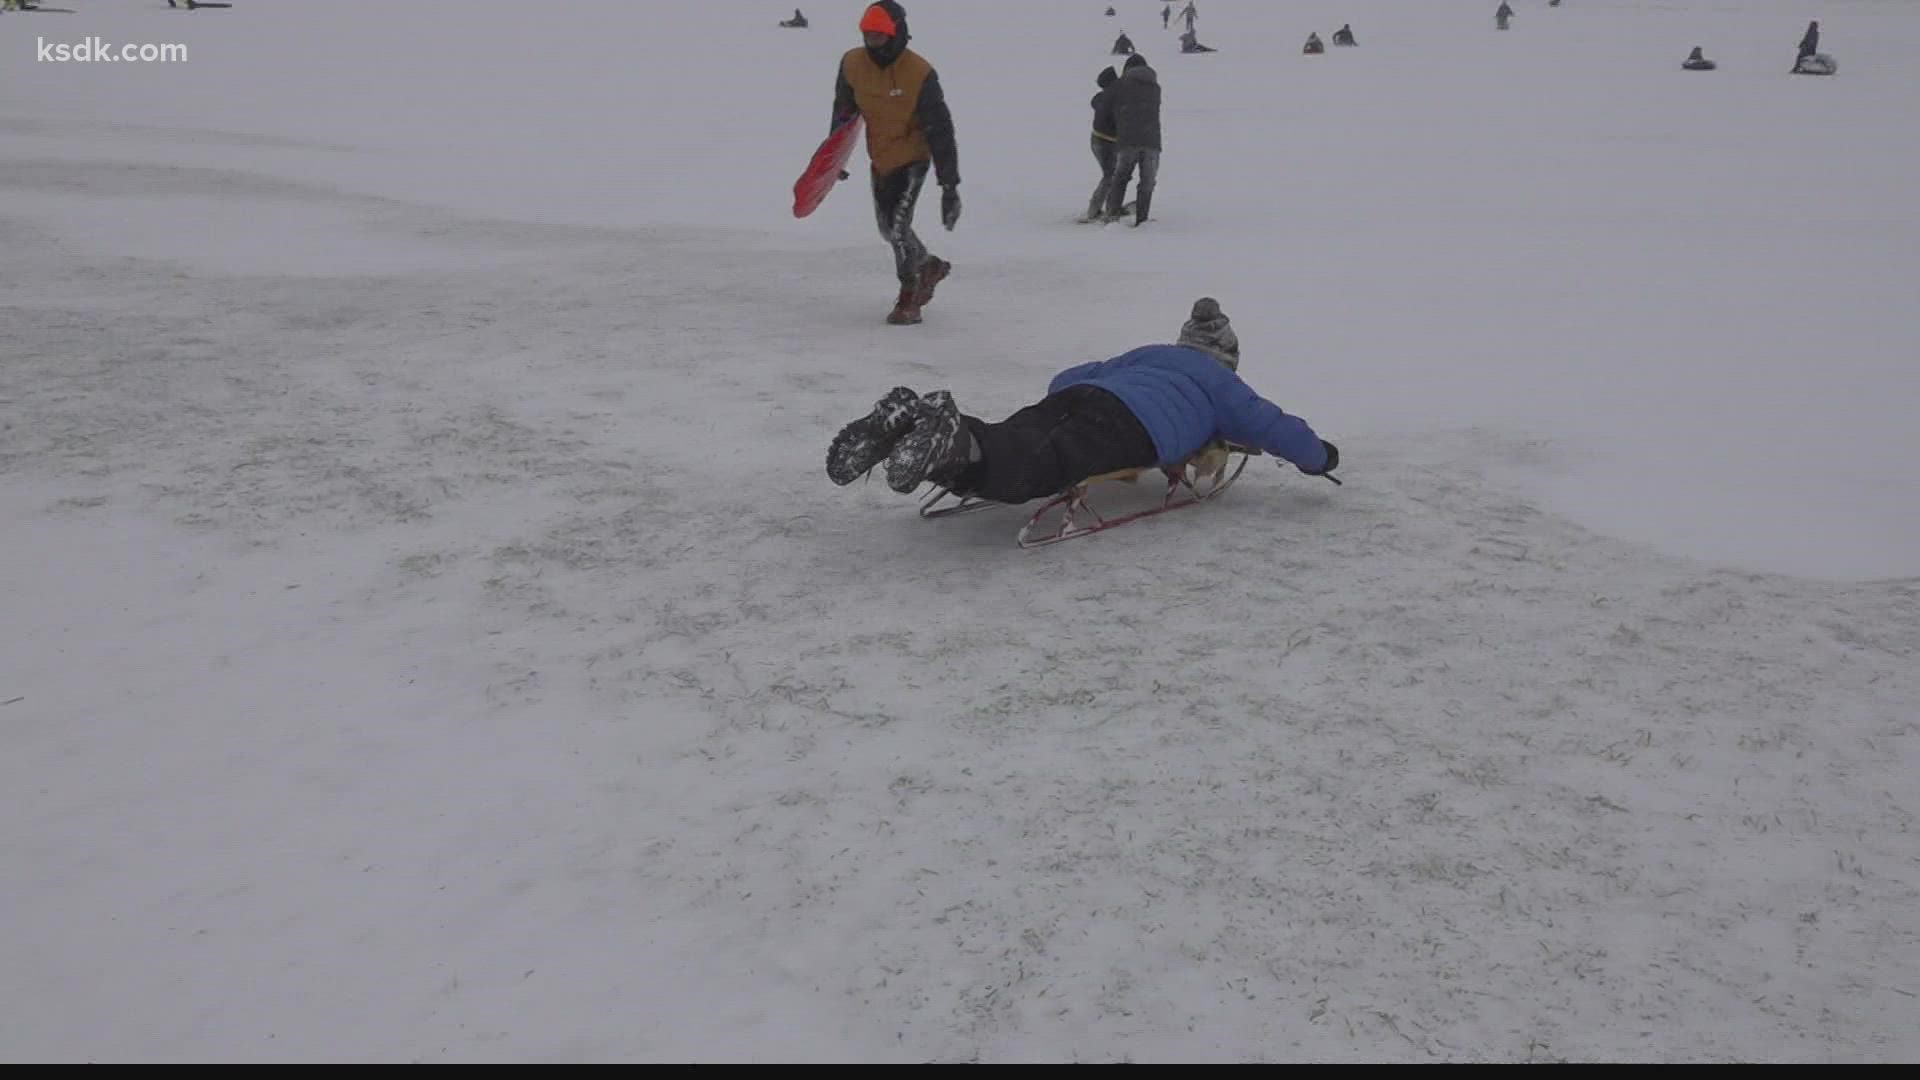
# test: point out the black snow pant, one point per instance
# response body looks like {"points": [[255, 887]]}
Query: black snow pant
{"points": [[1053, 444], [1124, 161], [894, 197]]}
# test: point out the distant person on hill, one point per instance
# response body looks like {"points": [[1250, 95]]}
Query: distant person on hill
{"points": [[1697, 62], [1191, 44], [1123, 45], [1166, 16], [1189, 14], [798, 22], [1344, 35], [1810, 43], [1501, 16], [1314, 45]]}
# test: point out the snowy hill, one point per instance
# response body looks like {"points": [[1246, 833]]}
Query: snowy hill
{"points": [[430, 633]]}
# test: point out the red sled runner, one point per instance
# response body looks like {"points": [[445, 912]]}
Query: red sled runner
{"points": [[824, 170], [1199, 478]]}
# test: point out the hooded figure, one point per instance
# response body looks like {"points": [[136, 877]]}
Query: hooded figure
{"points": [[1136, 121], [909, 130], [1105, 141]]}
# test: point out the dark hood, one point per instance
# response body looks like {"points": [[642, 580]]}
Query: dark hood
{"points": [[897, 44]]}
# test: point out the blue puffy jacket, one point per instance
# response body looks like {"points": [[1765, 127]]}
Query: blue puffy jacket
{"points": [[1186, 399]]}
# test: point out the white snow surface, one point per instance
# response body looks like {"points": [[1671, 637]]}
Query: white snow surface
{"points": [[430, 634]]}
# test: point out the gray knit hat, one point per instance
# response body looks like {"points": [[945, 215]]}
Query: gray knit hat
{"points": [[1210, 329]]}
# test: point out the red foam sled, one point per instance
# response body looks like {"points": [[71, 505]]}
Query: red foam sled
{"points": [[824, 170]]}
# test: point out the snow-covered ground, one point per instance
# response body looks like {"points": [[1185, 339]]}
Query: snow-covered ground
{"points": [[429, 633]]}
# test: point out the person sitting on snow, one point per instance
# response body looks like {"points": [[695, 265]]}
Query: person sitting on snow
{"points": [[1314, 45], [1123, 45], [1152, 406], [1191, 44], [1344, 35], [1697, 62], [1811, 60], [798, 22]]}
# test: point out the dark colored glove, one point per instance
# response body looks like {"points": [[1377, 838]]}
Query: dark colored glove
{"points": [[1333, 462], [950, 205], [843, 174]]}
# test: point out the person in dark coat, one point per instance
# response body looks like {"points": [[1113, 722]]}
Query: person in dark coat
{"points": [[1123, 45], [1136, 121], [1344, 35], [1105, 140], [1155, 406], [1696, 62]]}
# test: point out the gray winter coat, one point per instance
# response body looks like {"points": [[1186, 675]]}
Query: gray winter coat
{"points": [[1136, 107]]}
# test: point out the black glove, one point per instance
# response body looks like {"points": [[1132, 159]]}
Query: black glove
{"points": [[1333, 462], [843, 174], [950, 205]]}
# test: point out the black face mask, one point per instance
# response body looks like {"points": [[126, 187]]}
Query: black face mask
{"points": [[888, 53]]}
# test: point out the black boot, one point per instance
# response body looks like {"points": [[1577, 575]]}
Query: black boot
{"points": [[938, 445], [867, 441]]}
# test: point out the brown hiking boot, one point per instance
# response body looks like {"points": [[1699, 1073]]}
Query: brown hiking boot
{"points": [[906, 310], [932, 272]]}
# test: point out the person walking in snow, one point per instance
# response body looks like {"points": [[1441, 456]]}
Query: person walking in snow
{"points": [[1136, 122], [1155, 406], [909, 130], [1106, 141]]}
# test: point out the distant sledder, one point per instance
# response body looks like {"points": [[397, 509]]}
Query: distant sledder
{"points": [[1811, 61], [1110, 421], [194, 5], [1343, 37], [1502, 16], [1696, 62], [798, 22], [1314, 46], [1191, 44]]}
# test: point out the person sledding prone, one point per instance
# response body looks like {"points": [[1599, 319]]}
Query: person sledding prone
{"points": [[1156, 406]]}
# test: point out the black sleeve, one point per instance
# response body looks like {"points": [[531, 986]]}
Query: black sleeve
{"points": [[843, 104], [936, 122]]}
